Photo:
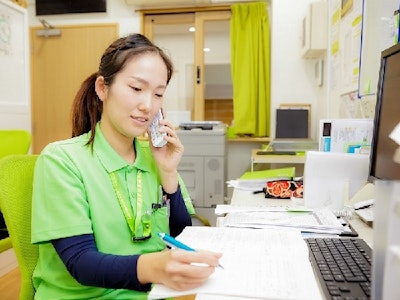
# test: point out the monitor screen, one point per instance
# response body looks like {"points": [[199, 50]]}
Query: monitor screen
{"points": [[292, 123], [387, 116], [55, 7]]}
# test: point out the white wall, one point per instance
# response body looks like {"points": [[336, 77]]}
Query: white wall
{"points": [[117, 12], [292, 78], [15, 101]]}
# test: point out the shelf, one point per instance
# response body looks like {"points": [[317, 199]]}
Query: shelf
{"points": [[276, 159]]}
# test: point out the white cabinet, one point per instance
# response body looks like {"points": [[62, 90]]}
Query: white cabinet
{"points": [[315, 30]]}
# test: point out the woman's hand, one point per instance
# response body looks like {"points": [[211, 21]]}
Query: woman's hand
{"points": [[177, 269], [168, 157]]}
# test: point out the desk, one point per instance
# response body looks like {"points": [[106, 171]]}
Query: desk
{"points": [[276, 159], [240, 197], [246, 198]]}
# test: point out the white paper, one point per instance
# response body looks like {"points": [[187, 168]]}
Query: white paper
{"points": [[308, 222], [265, 264], [395, 134], [225, 208]]}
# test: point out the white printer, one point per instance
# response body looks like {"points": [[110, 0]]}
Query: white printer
{"points": [[203, 165]]}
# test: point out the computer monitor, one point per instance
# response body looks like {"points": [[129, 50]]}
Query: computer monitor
{"points": [[384, 173], [387, 116], [292, 123]]}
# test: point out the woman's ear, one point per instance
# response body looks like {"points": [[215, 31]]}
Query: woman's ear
{"points": [[101, 88]]}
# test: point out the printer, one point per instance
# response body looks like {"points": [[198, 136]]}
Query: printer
{"points": [[203, 165]]}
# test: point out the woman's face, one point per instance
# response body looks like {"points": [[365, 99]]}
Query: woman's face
{"points": [[131, 102]]}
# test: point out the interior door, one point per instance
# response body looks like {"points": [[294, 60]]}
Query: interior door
{"points": [[212, 46], [184, 36], [174, 33], [58, 66]]}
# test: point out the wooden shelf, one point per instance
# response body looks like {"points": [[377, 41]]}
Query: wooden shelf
{"points": [[250, 139], [276, 159]]}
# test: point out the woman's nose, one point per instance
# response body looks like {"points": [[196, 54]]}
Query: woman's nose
{"points": [[146, 100]]}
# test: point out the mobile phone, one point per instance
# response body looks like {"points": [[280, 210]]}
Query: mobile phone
{"points": [[157, 138]]}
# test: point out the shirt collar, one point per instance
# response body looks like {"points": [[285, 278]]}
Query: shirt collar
{"points": [[111, 160]]}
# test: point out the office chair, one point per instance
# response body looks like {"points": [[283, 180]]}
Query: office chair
{"points": [[12, 141], [16, 178]]}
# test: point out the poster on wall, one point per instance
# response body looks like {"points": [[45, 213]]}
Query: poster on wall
{"points": [[346, 34], [13, 56], [14, 61], [335, 45]]}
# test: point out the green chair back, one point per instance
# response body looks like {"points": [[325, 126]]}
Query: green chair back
{"points": [[14, 141], [16, 180]]}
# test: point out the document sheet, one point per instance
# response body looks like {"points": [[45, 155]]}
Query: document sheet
{"points": [[258, 263], [319, 221]]}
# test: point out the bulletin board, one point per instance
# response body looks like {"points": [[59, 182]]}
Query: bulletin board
{"points": [[345, 44], [380, 32], [14, 75]]}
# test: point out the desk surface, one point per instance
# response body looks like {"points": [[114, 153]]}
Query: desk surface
{"points": [[240, 197]]}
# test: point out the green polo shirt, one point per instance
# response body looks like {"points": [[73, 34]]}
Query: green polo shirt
{"points": [[73, 195]]}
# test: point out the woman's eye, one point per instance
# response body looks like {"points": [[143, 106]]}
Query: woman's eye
{"points": [[159, 95], [136, 89]]}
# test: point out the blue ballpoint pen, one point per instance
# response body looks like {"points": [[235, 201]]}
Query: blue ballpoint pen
{"points": [[173, 243]]}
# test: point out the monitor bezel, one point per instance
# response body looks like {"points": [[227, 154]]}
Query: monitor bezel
{"points": [[385, 54]]}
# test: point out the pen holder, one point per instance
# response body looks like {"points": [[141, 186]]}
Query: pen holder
{"points": [[284, 189]]}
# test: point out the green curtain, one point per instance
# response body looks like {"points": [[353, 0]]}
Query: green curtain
{"points": [[250, 67]]}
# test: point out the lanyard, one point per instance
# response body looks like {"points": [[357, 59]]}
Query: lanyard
{"points": [[133, 223]]}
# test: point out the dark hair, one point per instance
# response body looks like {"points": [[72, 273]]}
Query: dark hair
{"points": [[87, 108]]}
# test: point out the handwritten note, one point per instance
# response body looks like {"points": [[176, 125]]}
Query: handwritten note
{"points": [[257, 263]]}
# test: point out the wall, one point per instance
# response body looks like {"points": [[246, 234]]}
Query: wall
{"points": [[14, 61], [117, 12], [292, 78], [377, 35]]}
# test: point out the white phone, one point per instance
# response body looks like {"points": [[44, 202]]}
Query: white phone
{"points": [[157, 138]]}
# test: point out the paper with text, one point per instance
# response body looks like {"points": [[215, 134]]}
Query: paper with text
{"points": [[264, 264], [321, 220]]}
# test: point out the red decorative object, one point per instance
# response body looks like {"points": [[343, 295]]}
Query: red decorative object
{"points": [[284, 189]]}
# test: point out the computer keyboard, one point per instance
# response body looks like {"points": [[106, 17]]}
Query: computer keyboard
{"points": [[343, 267]]}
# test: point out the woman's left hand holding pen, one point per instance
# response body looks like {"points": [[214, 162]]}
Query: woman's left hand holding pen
{"points": [[177, 269]]}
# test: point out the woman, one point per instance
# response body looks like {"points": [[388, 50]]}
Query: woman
{"points": [[101, 197]]}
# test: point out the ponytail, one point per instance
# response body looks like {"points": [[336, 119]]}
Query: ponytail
{"points": [[86, 109]]}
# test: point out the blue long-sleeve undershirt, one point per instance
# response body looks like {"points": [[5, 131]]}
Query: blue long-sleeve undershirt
{"points": [[93, 268]]}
